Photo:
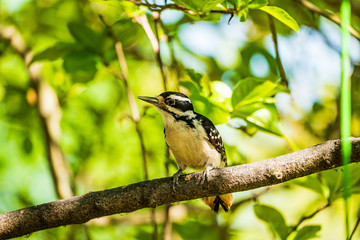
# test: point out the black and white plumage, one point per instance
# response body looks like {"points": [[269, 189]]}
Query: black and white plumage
{"points": [[192, 138]]}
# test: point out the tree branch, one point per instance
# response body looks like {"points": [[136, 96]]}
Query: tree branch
{"points": [[153, 193], [284, 80], [332, 17]]}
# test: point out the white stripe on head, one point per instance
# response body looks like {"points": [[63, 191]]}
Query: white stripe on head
{"points": [[180, 98]]}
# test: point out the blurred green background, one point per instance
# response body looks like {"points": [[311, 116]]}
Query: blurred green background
{"points": [[228, 67]]}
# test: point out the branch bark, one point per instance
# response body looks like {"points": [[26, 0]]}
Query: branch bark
{"points": [[153, 193]]}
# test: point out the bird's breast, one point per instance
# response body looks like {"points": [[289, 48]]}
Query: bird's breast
{"points": [[190, 146]]}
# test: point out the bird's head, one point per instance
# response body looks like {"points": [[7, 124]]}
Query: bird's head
{"points": [[173, 103]]}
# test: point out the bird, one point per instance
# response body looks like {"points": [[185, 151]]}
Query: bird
{"points": [[193, 140]]}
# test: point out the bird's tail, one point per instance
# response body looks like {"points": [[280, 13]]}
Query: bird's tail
{"points": [[225, 201]]}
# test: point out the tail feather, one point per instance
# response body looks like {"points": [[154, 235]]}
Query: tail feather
{"points": [[225, 201]]}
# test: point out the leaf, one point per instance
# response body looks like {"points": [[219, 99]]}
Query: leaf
{"points": [[211, 5], [263, 116], [308, 232], [255, 4], [81, 65], [85, 36], [253, 101], [206, 107], [191, 86], [243, 14], [195, 76], [54, 52], [199, 6], [281, 15], [27, 145], [252, 90], [273, 218], [313, 183]]}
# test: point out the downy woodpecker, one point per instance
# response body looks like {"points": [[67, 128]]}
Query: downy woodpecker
{"points": [[193, 140]]}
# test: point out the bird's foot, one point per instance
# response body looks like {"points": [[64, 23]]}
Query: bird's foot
{"points": [[176, 179], [206, 173]]}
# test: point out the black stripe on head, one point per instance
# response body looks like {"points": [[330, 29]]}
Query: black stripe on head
{"points": [[177, 100]]}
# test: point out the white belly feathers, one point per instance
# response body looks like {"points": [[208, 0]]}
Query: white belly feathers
{"points": [[193, 150]]}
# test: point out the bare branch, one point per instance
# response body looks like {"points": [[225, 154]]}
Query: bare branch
{"points": [[153, 193], [332, 17], [154, 40], [284, 80]]}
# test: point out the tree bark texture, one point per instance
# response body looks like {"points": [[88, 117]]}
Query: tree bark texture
{"points": [[153, 193]]}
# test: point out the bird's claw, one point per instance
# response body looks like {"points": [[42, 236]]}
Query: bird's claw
{"points": [[176, 179], [205, 177]]}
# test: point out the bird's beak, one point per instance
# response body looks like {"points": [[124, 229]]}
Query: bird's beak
{"points": [[152, 100]]}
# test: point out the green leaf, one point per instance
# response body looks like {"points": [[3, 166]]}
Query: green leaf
{"points": [[199, 6], [85, 36], [313, 183], [54, 52], [195, 76], [216, 113], [191, 86], [255, 4], [253, 101], [263, 116], [243, 14], [252, 90], [281, 15], [308, 232], [273, 219], [211, 5], [81, 65]]}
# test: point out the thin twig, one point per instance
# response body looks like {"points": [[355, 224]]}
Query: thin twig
{"points": [[355, 227], [170, 41], [135, 116], [155, 43], [313, 214], [284, 80], [332, 17], [157, 22]]}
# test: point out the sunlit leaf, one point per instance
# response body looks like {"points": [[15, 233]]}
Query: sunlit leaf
{"points": [[200, 6], [191, 86], [281, 15], [252, 90], [308, 232], [273, 219], [263, 116], [195, 76], [243, 14], [255, 4]]}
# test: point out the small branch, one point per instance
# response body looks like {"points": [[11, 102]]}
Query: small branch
{"points": [[49, 112], [159, 8], [157, 22], [354, 230], [154, 40], [135, 116], [304, 218], [153, 193], [332, 17], [284, 80]]}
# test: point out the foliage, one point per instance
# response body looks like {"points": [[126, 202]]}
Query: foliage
{"points": [[102, 140]]}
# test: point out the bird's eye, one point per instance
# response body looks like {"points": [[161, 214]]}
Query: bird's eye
{"points": [[170, 102]]}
